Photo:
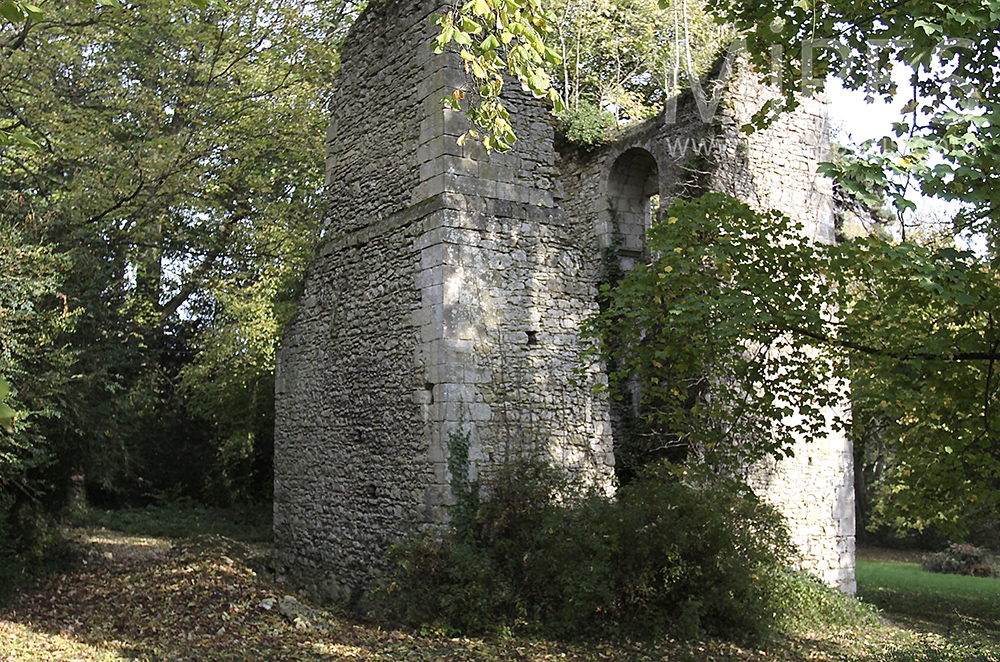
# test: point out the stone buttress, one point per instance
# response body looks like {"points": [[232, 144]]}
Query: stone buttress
{"points": [[446, 298]]}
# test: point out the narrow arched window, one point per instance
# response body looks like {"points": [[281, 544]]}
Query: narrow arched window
{"points": [[633, 194]]}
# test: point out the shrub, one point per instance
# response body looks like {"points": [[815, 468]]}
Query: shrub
{"points": [[696, 557], [586, 126], [667, 555], [31, 544], [963, 560], [806, 603]]}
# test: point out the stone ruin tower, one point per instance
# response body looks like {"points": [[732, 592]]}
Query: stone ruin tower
{"points": [[450, 286]]}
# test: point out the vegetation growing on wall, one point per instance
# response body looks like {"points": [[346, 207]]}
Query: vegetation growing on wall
{"points": [[937, 446], [703, 351], [625, 58]]}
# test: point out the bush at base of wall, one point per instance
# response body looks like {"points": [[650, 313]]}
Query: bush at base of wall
{"points": [[666, 556]]}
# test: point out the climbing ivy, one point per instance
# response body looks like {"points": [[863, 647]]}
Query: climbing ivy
{"points": [[463, 487]]}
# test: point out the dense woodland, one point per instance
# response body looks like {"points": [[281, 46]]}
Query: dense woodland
{"points": [[161, 193]]}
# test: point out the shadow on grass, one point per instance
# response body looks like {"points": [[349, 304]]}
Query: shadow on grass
{"points": [[950, 618], [185, 519]]}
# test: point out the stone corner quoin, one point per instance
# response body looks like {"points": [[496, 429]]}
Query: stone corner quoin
{"points": [[448, 293]]}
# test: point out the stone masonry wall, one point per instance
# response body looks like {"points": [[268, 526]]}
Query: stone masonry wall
{"points": [[447, 299], [696, 150], [351, 465], [814, 488], [448, 296]]}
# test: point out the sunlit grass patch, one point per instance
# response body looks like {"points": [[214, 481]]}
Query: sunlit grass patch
{"points": [[185, 519], [905, 589], [954, 618]]}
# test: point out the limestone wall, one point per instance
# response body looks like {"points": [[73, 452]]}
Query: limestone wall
{"points": [[815, 487], [448, 296], [446, 299], [770, 169]]}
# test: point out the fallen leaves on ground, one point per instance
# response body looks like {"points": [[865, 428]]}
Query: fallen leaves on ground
{"points": [[201, 600]]}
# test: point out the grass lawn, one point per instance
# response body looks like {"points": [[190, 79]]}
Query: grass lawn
{"points": [[185, 519], [953, 617]]}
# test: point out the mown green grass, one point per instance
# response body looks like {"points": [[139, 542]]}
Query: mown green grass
{"points": [[906, 590], [953, 618]]}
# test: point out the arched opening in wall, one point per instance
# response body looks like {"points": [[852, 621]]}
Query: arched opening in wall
{"points": [[633, 195], [633, 200]]}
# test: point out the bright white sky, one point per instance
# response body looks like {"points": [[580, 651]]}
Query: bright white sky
{"points": [[851, 115]]}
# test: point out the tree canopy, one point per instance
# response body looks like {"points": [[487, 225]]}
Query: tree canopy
{"points": [[160, 195], [911, 327]]}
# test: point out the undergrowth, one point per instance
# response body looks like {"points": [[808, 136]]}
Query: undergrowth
{"points": [[668, 555], [961, 559]]}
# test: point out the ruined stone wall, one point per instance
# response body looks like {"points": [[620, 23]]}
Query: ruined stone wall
{"points": [[350, 466], [814, 488], [446, 300], [448, 296], [696, 150]]}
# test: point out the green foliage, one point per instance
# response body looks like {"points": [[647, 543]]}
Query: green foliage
{"points": [[7, 415], [737, 324], [464, 489], [31, 544], [41, 390], [807, 604], [961, 559], [17, 12], [626, 56], [934, 389], [586, 125], [946, 139], [630, 56], [667, 555], [922, 339], [178, 181], [704, 330], [229, 382], [495, 39]]}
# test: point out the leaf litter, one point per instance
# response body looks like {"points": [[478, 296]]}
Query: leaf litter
{"points": [[209, 599]]}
